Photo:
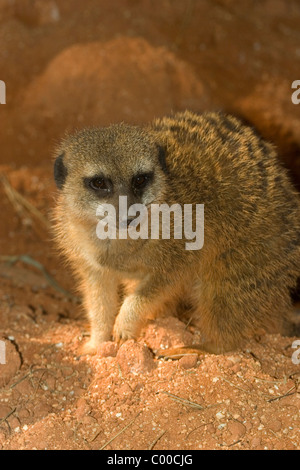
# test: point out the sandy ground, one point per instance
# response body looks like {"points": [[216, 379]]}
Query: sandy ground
{"points": [[67, 64]]}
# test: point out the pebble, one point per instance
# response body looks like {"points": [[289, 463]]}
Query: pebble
{"points": [[189, 361], [135, 358]]}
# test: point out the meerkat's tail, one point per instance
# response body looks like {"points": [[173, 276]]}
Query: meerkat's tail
{"points": [[181, 351]]}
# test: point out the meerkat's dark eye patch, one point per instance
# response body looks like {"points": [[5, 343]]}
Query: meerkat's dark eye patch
{"points": [[99, 184], [141, 180], [60, 171], [162, 152]]}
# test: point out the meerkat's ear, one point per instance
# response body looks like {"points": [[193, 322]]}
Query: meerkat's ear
{"points": [[162, 153], [60, 171]]}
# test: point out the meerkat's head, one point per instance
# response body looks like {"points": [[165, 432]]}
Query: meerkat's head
{"points": [[97, 165]]}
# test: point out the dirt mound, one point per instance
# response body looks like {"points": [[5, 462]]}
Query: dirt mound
{"points": [[100, 83], [129, 78]]}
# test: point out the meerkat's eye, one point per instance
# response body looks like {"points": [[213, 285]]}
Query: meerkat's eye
{"points": [[141, 180], [98, 183]]}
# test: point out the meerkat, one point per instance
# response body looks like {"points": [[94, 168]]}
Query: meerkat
{"points": [[238, 284]]}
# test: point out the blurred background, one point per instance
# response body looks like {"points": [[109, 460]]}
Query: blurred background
{"points": [[69, 63]]}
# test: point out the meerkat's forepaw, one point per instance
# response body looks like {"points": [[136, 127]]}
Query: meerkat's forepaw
{"points": [[130, 319], [88, 348], [122, 332]]}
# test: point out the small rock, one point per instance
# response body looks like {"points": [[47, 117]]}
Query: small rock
{"points": [[4, 410], [82, 408], [168, 332], [135, 358], [256, 442], [236, 368], [107, 349], [189, 361], [237, 430], [275, 425], [234, 359]]}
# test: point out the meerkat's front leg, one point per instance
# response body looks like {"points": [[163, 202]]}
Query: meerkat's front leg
{"points": [[146, 302], [101, 301]]}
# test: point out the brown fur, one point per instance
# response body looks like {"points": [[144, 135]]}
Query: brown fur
{"points": [[238, 284]]}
